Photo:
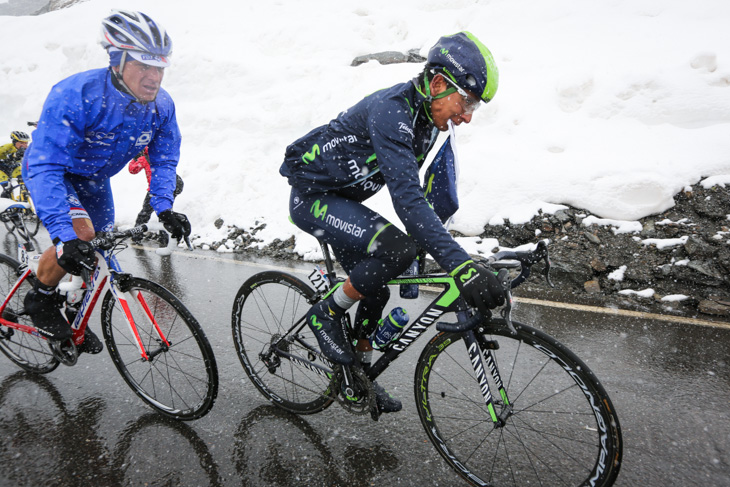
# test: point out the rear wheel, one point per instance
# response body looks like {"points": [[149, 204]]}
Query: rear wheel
{"points": [[179, 377], [559, 427], [30, 352], [277, 349]]}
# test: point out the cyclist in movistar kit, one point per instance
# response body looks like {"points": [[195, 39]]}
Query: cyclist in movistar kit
{"points": [[382, 141], [92, 124]]}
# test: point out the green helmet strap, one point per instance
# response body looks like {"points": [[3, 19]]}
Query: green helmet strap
{"points": [[426, 93]]}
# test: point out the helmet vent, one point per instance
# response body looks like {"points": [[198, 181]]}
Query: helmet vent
{"points": [[141, 35]]}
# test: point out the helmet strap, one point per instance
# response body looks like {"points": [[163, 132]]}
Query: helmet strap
{"points": [[444, 93], [426, 93], [120, 81]]}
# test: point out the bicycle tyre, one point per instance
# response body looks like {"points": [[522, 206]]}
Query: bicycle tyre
{"points": [[267, 305], [29, 352], [182, 380], [562, 430]]}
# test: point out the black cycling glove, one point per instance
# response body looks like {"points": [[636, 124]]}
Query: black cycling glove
{"points": [[75, 255], [479, 287], [176, 223]]}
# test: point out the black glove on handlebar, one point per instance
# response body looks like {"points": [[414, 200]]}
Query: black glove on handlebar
{"points": [[176, 223], [75, 255], [479, 287]]}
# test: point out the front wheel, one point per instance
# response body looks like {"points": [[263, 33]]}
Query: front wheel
{"points": [[557, 425], [277, 349], [178, 376]]}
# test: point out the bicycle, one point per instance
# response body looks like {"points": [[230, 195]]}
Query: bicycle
{"points": [[511, 406], [155, 343], [17, 210]]}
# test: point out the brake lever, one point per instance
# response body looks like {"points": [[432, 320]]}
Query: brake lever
{"points": [[546, 272], [544, 255], [506, 282], [86, 276]]}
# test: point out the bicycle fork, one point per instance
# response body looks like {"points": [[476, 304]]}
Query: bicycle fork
{"points": [[124, 298], [482, 358]]}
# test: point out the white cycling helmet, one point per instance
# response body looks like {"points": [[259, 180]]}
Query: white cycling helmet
{"points": [[134, 34]]}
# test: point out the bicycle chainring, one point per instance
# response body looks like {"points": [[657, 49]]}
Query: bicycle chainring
{"points": [[363, 400], [64, 351]]}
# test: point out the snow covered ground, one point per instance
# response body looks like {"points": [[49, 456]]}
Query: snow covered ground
{"points": [[611, 106]]}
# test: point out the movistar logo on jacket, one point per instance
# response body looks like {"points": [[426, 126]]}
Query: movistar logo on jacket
{"points": [[309, 156]]}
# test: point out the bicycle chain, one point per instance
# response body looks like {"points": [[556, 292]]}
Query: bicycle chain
{"points": [[365, 402]]}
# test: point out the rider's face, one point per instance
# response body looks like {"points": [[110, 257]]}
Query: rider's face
{"points": [[144, 80], [453, 107]]}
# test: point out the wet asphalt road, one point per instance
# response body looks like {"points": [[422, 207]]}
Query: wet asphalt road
{"points": [[670, 384]]}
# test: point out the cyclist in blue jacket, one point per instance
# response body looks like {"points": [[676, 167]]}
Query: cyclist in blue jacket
{"points": [[92, 124], [382, 141]]}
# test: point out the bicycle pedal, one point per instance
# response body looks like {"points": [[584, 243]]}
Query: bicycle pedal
{"points": [[375, 413]]}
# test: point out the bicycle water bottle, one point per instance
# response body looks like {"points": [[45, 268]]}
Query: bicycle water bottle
{"points": [[389, 328], [410, 291]]}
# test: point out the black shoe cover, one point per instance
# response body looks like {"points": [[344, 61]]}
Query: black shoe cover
{"points": [[386, 403], [46, 315], [324, 320], [91, 344]]}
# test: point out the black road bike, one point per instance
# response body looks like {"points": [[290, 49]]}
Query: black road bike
{"points": [[503, 402]]}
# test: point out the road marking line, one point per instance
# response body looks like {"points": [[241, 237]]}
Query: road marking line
{"points": [[624, 312], [536, 302]]}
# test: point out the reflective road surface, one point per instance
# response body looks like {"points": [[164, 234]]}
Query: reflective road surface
{"points": [[82, 425]]}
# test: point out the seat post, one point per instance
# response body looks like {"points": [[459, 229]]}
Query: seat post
{"points": [[328, 261]]}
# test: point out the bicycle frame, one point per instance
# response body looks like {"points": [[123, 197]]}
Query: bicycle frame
{"points": [[107, 275], [448, 300]]}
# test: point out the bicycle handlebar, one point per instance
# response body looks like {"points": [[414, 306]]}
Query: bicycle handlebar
{"points": [[107, 240], [526, 260]]}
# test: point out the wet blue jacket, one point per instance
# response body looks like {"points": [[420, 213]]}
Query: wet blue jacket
{"points": [[382, 140], [90, 128]]}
